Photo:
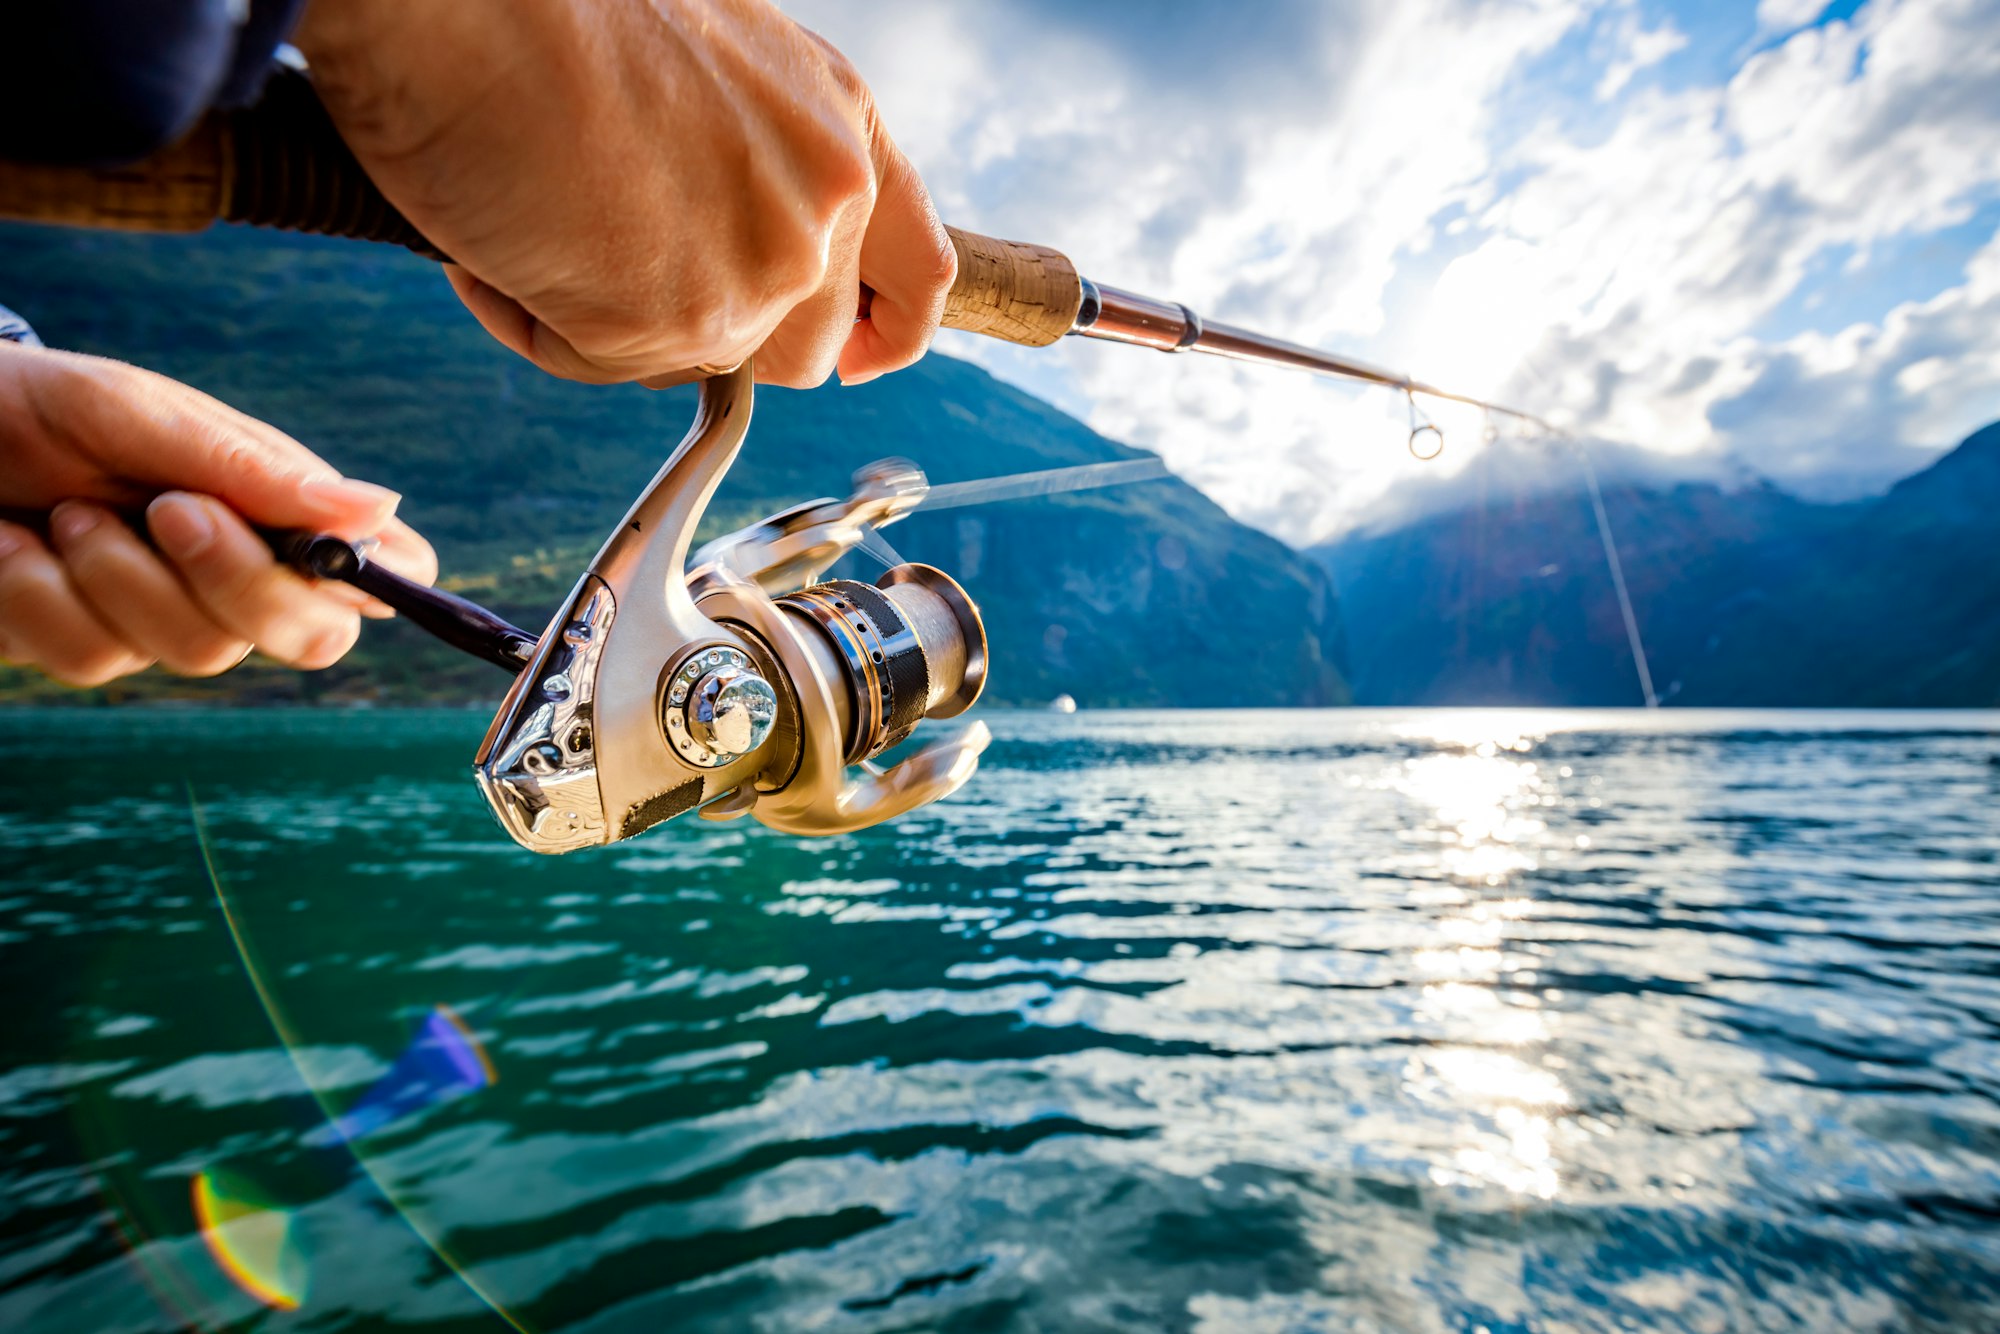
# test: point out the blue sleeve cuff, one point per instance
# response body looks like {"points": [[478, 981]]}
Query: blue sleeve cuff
{"points": [[105, 82]]}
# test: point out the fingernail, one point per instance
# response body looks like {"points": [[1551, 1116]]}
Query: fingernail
{"points": [[182, 524], [347, 493], [10, 540], [72, 521], [852, 381]]}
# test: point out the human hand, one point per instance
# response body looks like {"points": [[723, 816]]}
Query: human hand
{"points": [[633, 188], [86, 438]]}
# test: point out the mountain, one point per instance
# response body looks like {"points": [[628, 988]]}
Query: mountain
{"points": [[1743, 597], [1120, 597]]}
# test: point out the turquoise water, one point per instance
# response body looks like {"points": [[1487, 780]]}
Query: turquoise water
{"points": [[1220, 1021]]}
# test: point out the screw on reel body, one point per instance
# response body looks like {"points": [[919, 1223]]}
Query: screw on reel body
{"points": [[741, 687]]}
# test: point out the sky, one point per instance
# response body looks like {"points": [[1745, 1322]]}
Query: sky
{"points": [[1734, 239]]}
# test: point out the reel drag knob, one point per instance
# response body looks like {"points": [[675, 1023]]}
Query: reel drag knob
{"points": [[717, 708]]}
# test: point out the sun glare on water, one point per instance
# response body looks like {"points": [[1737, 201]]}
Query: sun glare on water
{"points": [[1476, 807]]}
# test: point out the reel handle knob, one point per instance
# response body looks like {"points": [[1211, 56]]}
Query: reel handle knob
{"points": [[731, 711]]}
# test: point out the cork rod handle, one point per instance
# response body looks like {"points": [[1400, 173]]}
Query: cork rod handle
{"points": [[1012, 290], [179, 189]]}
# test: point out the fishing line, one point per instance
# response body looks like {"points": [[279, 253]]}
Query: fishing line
{"points": [[1045, 482], [877, 547], [1609, 542], [1016, 486]]}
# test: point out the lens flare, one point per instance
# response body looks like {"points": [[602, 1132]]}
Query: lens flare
{"points": [[282, 1026], [443, 1062], [253, 1243]]}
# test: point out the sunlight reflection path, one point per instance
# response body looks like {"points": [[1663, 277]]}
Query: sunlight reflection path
{"points": [[1480, 831]]}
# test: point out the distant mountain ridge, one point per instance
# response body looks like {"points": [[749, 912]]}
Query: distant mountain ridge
{"points": [[1746, 597], [1144, 595]]}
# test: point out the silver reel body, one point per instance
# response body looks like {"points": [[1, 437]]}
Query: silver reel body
{"points": [[736, 688]]}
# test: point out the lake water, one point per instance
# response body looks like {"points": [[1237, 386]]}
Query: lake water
{"points": [[1220, 1021]]}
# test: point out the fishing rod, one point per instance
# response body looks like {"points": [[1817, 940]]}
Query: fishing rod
{"points": [[743, 681], [282, 163]]}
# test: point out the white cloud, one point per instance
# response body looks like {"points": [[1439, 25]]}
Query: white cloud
{"points": [[1664, 246], [1787, 15], [1341, 177], [1828, 404], [1640, 49]]}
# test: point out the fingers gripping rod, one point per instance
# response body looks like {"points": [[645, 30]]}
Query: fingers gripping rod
{"points": [[282, 164]]}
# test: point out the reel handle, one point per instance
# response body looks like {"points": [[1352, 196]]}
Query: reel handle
{"points": [[459, 622], [282, 164]]}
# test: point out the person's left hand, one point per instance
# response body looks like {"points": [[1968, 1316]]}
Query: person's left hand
{"points": [[82, 439]]}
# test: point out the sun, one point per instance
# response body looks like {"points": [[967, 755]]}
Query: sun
{"points": [[1487, 310]]}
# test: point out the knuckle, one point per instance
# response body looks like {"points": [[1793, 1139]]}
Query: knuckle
{"points": [[832, 175], [841, 72], [940, 266], [237, 455], [842, 178], [845, 76], [793, 264], [721, 335]]}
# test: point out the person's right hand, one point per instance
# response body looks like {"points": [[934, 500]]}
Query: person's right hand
{"points": [[83, 440], [633, 188]]}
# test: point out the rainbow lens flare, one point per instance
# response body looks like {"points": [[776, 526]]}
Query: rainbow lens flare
{"points": [[444, 1061], [253, 1242]]}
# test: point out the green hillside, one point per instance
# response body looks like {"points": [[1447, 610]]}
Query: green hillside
{"points": [[1120, 597]]}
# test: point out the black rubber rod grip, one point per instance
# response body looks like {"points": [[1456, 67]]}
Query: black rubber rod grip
{"points": [[289, 168]]}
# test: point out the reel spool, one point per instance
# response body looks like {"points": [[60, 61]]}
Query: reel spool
{"points": [[741, 687]]}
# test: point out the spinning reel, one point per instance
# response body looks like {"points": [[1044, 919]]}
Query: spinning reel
{"points": [[738, 687]]}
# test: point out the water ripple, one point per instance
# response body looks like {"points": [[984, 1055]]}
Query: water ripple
{"points": [[1206, 1021]]}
